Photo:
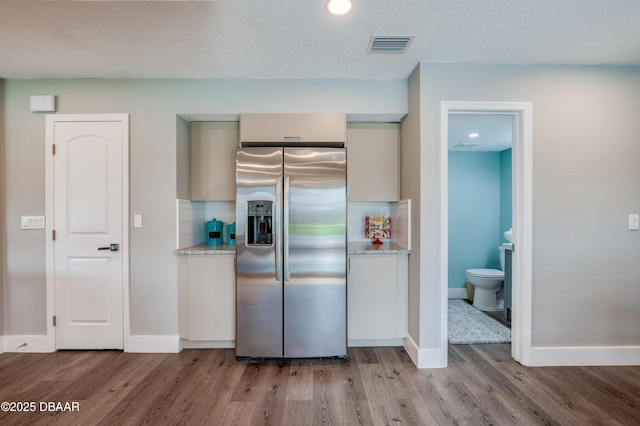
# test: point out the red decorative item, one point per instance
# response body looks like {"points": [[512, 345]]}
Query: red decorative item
{"points": [[377, 227]]}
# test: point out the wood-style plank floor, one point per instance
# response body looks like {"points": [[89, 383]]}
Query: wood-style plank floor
{"points": [[376, 386]]}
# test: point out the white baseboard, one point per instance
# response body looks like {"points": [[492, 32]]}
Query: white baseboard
{"points": [[425, 358], [584, 356], [208, 344], [458, 293], [362, 343], [28, 343], [153, 344]]}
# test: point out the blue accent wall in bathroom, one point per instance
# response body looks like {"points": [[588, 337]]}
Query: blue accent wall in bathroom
{"points": [[505, 193], [478, 198]]}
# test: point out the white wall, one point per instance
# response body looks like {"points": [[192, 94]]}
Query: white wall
{"points": [[586, 177], [153, 106]]}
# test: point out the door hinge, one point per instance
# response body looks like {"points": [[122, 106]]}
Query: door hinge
{"points": [[53, 234], [53, 149], [54, 320], [513, 248]]}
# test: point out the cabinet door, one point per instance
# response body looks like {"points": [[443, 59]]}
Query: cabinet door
{"points": [[373, 156], [259, 128], [372, 297], [213, 160], [211, 297]]}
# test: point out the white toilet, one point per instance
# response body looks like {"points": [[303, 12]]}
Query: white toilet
{"points": [[488, 282]]}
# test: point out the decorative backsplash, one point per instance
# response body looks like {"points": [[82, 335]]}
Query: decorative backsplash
{"points": [[400, 217], [193, 214]]}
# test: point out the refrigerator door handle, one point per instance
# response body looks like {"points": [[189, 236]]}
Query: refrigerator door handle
{"points": [[285, 229], [278, 221]]}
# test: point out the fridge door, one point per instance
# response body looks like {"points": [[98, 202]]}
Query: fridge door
{"points": [[315, 252], [259, 252]]}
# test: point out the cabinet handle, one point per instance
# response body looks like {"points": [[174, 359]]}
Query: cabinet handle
{"points": [[349, 266]]}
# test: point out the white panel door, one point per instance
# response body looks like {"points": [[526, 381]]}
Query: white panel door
{"points": [[88, 223]]}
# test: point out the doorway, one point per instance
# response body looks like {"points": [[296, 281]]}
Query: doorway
{"points": [[480, 192], [521, 214], [87, 228]]}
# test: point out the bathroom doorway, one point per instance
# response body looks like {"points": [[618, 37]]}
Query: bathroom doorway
{"points": [[480, 204], [519, 114]]}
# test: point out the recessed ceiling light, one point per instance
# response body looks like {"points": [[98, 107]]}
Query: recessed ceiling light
{"points": [[474, 135], [338, 7]]}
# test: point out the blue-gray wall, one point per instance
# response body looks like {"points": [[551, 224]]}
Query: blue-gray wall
{"points": [[479, 210]]}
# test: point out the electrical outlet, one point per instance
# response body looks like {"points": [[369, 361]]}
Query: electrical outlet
{"points": [[32, 222]]}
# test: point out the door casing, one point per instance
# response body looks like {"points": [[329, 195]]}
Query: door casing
{"points": [[50, 209], [522, 213]]}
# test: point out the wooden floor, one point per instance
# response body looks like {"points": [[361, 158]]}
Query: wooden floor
{"points": [[375, 386]]}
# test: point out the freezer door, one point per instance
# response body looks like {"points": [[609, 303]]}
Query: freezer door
{"points": [[315, 255], [258, 255]]}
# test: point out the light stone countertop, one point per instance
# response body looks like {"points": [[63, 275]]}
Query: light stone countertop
{"points": [[352, 248], [369, 248], [207, 249]]}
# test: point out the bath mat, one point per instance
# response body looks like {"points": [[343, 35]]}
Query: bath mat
{"points": [[468, 325]]}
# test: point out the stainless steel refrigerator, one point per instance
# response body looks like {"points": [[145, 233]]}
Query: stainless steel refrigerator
{"points": [[291, 219]]}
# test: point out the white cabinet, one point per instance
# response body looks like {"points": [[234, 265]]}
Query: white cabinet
{"points": [[213, 160], [208, 298], [377, 299], [373, 161], [270, 128]]}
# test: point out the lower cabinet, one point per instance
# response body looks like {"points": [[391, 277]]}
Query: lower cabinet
{"points": [[377, 299], [208, 298]]}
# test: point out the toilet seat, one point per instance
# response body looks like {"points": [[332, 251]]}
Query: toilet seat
{"points": [[486, 273]]}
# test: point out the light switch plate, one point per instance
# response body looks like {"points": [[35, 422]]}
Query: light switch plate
{"points": [[32, 222], [634, 222], [42, 103], [137, 221]]}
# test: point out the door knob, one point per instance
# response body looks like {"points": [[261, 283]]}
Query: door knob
{"points": [[112, 247]]}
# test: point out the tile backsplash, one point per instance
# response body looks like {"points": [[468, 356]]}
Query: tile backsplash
{"points": [[193, 214], [400, 220], [356, 214], [401, 225]]}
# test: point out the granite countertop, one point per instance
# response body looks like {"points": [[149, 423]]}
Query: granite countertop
{"points": [[369, 248], [352, 248], [208, 249]]}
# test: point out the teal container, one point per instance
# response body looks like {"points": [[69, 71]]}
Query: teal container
{"points": [[231, 234], [214, 229]]}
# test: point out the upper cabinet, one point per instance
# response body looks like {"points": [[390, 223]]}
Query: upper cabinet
{"points": [[213, 160], [317, 129], [373, 152]]}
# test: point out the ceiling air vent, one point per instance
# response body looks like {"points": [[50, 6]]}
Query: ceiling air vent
{"points": [[389, 44]]}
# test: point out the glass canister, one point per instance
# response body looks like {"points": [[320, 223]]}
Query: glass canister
{"points": [[214, 229], [231, 234]]}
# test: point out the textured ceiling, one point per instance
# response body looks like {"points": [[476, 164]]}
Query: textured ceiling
{"points": [[298, 39]]}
